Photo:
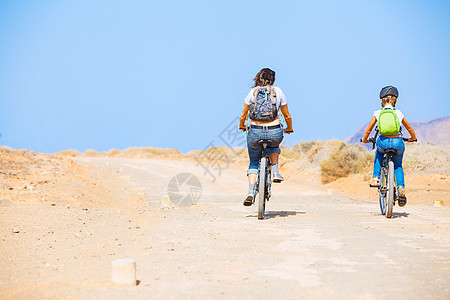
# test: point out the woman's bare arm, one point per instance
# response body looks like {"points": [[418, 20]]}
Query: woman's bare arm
{"points": [[288, 118], [244, 117], [411, 131], [369, 128]]}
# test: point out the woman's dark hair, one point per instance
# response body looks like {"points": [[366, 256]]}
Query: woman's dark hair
{"points": [[264, 77]]}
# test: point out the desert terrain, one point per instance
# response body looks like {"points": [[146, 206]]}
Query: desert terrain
{"points": [[66, 217]]}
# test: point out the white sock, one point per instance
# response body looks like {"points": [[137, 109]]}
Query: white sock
{"points": [[275, 168], [250, 188]]}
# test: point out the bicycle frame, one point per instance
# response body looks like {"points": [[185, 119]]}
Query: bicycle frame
{"points": [[384, 189], [263, 193]]}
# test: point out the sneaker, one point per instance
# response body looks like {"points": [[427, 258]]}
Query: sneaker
{"points": [[277, 177], [374, 182], [401, 196], [249, 200]]}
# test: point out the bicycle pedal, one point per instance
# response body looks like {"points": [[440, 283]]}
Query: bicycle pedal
{"points": [[401, 201]]}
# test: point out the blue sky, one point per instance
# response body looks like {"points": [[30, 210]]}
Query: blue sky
{"points": [[173, 74]]}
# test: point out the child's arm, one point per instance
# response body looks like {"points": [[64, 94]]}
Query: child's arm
{"points": [[372, 123], [408, 127]]}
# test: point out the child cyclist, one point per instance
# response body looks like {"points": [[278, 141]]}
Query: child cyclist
{"points": [[262, 105], [389, 119]]}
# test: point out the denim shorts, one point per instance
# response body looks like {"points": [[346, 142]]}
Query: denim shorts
{"points": [[255, 149], [395, 143], [384, 143]]}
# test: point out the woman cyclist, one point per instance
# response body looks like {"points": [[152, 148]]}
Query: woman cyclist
{"points": [[388, 97], [264, 125]]}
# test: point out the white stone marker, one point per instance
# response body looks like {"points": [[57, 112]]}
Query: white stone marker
{"points": [[438, 203], [166, 203], [124, 271]]}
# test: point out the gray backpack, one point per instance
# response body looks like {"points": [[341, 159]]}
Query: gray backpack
{"points": [[264, 105]]}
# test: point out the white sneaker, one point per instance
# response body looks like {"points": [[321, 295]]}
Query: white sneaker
{"points": [[277, 177]]}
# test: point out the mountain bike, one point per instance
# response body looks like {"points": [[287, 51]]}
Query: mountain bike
{"points": [[263, 180], [387, 187]]}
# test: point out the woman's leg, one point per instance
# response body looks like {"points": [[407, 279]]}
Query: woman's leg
{"points": [[276, 135], [251, 178], [254, 154], [274, 158]]}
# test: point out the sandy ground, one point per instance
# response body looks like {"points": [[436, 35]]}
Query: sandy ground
{"points": [[310, 245], [420, 189]]}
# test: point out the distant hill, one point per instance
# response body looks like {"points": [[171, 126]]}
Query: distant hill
{"points": [[434, 131]]}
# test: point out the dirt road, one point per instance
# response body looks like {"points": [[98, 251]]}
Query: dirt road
{"points": [[311, 245]]}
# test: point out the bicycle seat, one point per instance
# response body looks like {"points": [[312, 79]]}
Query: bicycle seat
{"points": [[268, 142], [390, 151]]}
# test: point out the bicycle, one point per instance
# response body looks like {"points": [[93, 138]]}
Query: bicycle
{"points": [[263, 179], [387, 187]]}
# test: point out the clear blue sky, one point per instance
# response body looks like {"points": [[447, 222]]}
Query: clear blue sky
{"points": [[114, 74]]}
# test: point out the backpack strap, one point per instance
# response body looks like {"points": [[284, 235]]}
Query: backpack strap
{"points": [[256, 91], [270, 90], [272, 94]]}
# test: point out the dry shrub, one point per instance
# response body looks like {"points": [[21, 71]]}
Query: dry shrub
{"points": [[314, 152], [113, 153], [287, 153], [241, 154], [135, 152], [426, 158], [225, 154], [304, 146], [151, 151], [143, 152], [346, 160], [92, 153], [193, 154], [69, 153], [220, 154]]}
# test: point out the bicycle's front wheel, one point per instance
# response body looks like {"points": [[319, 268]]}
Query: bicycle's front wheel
{"points": [[390, 189], [261, 188]]}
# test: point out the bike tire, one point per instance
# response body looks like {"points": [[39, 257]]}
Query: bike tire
{"points": [[262, 188], [382, 191], [390, 189]]}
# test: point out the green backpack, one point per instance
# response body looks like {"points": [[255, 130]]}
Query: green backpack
{"points": [[388, 123]]}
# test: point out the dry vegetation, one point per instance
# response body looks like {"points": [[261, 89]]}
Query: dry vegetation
{"points": [[324, 161], [346, 160], [132, 152], [30, 177], [426, 158], [337, 159]]}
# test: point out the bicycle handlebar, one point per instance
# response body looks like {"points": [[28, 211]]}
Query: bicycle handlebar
{"points": [[374, 141], [407, 139]]}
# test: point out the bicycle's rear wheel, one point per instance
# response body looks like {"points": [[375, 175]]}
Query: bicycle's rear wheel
{"points": [[382, 191], [390, 189], [262, 188]]}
